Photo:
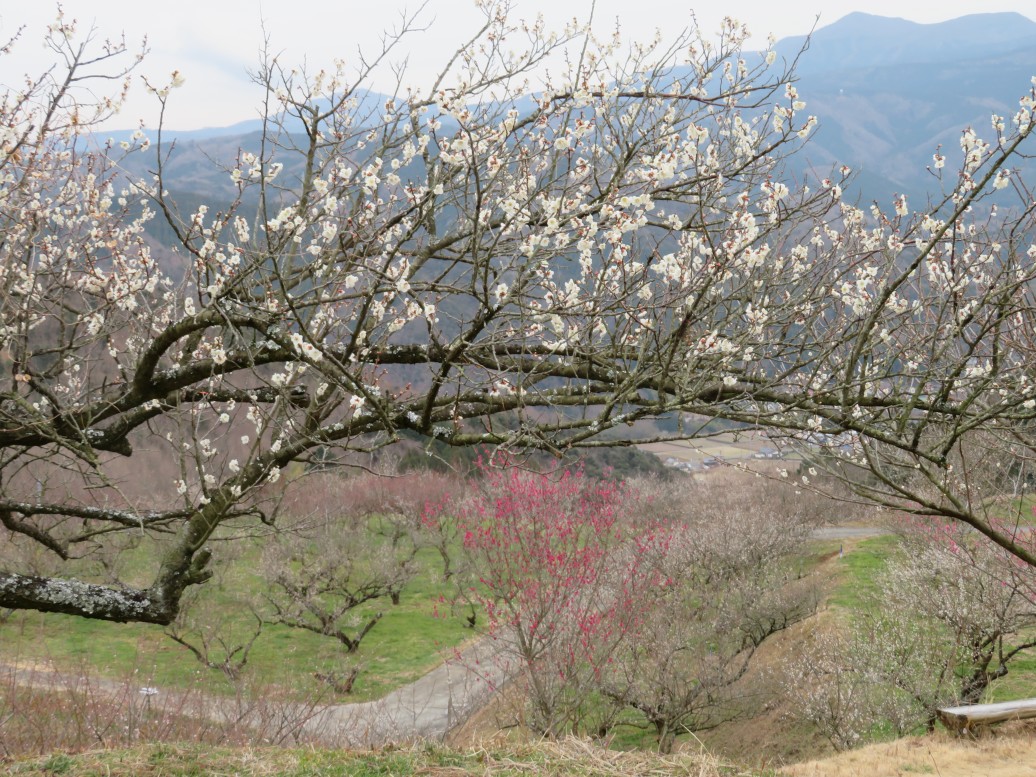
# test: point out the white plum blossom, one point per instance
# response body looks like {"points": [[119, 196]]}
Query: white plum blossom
{"points": [[626, 242]]}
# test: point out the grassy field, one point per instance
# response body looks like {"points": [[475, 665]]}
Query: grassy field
{"points": [[1020, 682], [1017, 512], [858, 571], [409, 640]]}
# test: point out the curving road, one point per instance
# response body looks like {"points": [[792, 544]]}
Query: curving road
{"points": [[848, 532], [424, 709]]}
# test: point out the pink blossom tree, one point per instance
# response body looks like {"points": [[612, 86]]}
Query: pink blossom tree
{"points": [[551, 569]]}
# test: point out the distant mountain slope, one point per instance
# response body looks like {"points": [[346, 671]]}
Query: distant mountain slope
{"points": [[862, 40], [888, 92]]}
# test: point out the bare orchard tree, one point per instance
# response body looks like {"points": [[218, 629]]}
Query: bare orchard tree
{"points": [[411, 511], [320, 579], [485, 261], [951, 613], [216, 623], [730, 585], [212, 638]]}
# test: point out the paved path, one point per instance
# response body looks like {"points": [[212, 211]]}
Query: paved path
{"points": [[848, 532], [424, 709]]}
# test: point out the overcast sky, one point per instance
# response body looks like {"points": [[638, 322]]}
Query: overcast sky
{"points": [[213, 43]]}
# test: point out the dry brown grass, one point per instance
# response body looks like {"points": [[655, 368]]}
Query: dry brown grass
{"points": [[568, 758], [43, 711], [580, 756], [1006, 751]]}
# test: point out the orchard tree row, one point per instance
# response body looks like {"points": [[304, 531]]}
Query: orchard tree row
{"points": [[492, 261]]}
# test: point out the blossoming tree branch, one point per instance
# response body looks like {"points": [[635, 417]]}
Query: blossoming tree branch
{"points": [[488, 261]]}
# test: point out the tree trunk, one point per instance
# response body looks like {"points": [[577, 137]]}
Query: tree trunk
{"points": [[352, 644], [666, 737], [72, 597], [447, 573]]}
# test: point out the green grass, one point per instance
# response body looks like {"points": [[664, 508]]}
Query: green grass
{"points": [[859, 569], [1017, 511], [1011, 511], [410, 640], [1020, 682]]}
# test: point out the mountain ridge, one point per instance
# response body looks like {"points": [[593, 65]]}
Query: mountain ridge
{"points": [[888, 94], [861, 39]]}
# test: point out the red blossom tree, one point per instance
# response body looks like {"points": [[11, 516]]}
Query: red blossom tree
{"points": [[556, 563]]}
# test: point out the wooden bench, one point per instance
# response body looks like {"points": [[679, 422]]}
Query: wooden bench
{"points": [[963, 719]]}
